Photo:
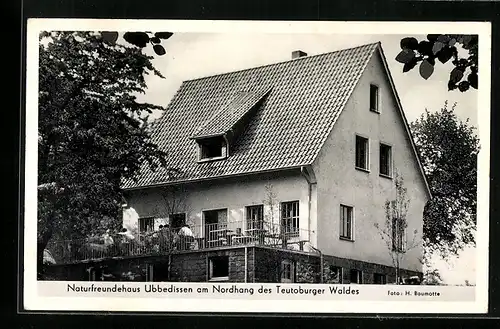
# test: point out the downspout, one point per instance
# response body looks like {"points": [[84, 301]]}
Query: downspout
{"points": [[246, 264], [309, 192], [321, 265]]}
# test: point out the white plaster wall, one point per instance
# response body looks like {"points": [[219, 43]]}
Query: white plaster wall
{"points": [[233, 195], [340, 183]]}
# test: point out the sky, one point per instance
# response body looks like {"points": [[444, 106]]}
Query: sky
{"points": [[195, 55]]}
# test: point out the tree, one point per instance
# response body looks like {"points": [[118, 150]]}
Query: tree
{"points": [[443, 47], [92, 132], [393, 230], [140, 39], [448, 148]]}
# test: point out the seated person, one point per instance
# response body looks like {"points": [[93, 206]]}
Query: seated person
{"points": [[186, 237]]}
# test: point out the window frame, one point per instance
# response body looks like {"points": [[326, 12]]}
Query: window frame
{"points": [[284, 227], [389, 160], [250, 222], [341, 236], [206, 234], [224, 150], [291, 271], [374, 86], [171, 217], [359, 276], [380, 275], [211, 276], [367, 153], [341, 274], [141, 219]]}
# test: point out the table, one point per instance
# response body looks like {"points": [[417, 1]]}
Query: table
{"points": [[222, 236]]}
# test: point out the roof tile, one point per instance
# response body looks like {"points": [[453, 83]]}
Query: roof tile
{"points": [[287, 130]]}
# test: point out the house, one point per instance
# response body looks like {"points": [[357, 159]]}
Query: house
{"points": [[281, 171]]}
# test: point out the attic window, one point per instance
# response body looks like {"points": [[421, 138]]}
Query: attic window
{"points": [[214, 148]]}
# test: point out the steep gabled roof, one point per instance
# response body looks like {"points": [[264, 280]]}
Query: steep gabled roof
{"points": [[300, 100]]}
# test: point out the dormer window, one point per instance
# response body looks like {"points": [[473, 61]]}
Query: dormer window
{"points": [[214, 148], [217, 135]]}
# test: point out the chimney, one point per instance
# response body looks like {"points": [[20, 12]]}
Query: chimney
{"points": [[298, 54]]}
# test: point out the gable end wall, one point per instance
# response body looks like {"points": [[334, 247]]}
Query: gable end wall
{"points": [[340, 183]]}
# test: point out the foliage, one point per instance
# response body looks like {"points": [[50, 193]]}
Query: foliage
{"points": [[306, 272], [393, 230], [140, 39], [443, 47], [92, 131], [448, 148], [432, 278]]}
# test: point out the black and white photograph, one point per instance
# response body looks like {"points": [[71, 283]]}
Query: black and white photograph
{"points": [[257, 162]]}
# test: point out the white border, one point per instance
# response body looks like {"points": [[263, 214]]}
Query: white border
{"points": [[30, 290]]}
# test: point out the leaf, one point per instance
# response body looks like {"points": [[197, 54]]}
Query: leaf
{"points": [[139, 39], [465, 40], [443, 38], [155, 40], [456, 75], [410, 65], [437, 47], [425, 48], [163, 35], [110, 37], [452, 42], [409, 43], [463, 86], [445, 54], [159, 50], [426, 69], [405, 56], [432, 37], [472, 78]]}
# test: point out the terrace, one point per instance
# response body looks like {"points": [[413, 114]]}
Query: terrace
{"points": [[174, 240]]}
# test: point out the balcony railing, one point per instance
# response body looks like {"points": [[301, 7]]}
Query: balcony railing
{"points": [[174, 240]]}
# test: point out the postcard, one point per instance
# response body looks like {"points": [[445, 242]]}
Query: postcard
{"points": [[256, 166]]}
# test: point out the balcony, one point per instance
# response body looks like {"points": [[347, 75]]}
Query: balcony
{"points": [[177, 240]]}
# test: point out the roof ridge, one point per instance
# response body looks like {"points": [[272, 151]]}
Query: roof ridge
{"points": [[282, 62]]}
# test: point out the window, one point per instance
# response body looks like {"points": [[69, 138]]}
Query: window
{"points": [[290, 218], [379, 278], [146, 224], [287, 271], [346, 221], [398, 234], [212, 148], [219, 268], [361, 152], [215, 220], [385, 160], [335, 274], [356, 276], [255, 217], [177, 220], [374, 98]]}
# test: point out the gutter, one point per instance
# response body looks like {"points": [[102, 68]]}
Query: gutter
{"points": [[197, 180]]}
